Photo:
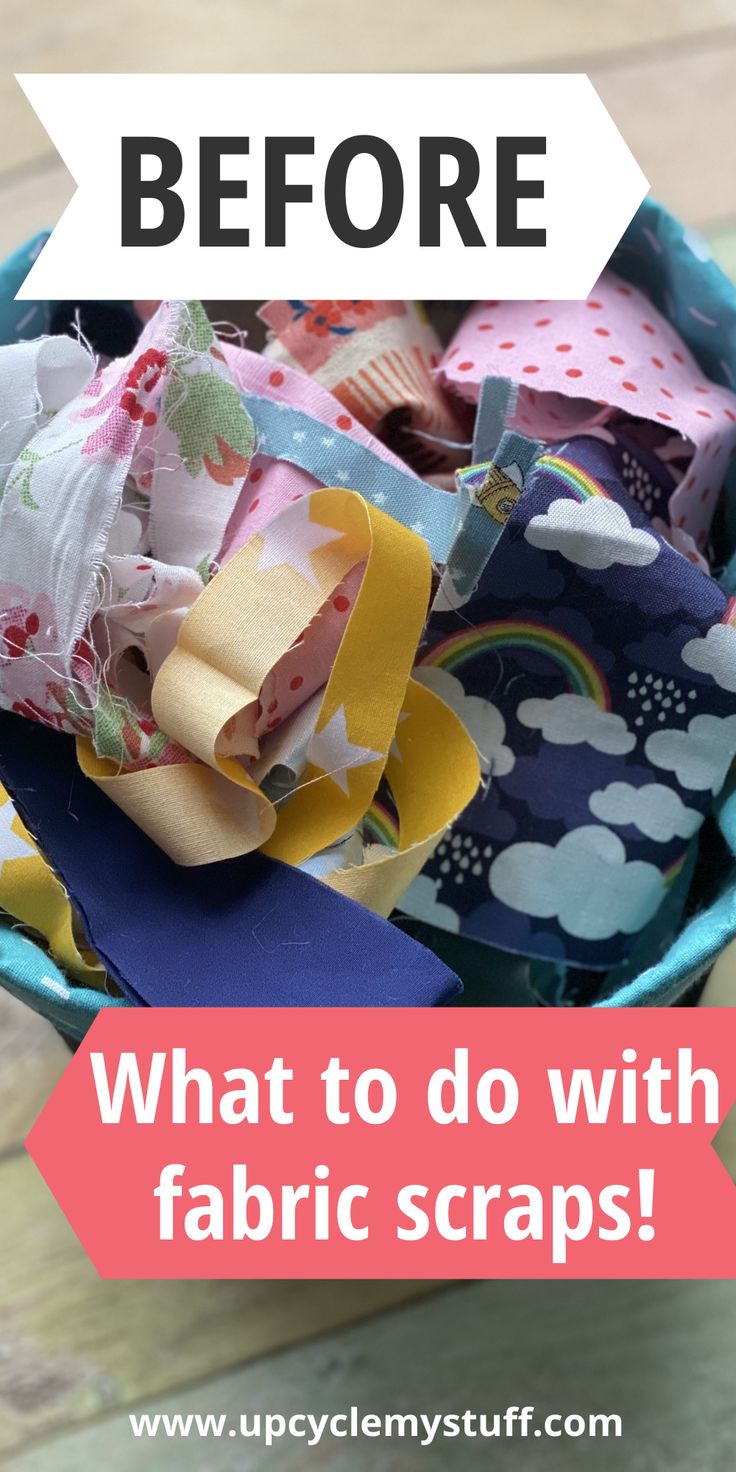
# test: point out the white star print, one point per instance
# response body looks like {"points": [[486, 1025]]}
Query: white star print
{"points": [[379, 498], [395, 748], [292, 538], [12, 846], [331, 751]]}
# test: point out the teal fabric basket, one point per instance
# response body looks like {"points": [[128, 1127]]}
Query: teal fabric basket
{"points": [[675, 269]]}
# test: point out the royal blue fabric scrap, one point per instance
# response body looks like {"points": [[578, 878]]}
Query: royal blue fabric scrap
{"points": [[245, 932]]}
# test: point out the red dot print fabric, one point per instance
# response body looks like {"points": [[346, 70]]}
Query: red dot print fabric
{"points": [[579, 364]]}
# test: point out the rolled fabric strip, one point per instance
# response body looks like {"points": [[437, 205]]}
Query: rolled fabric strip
{"points": [[247, 932], [364, 695], [206, 693], [195, 814], [433, 772]]}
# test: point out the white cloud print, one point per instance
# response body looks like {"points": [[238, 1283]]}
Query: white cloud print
{"points": [[482, 719], [420, 900], [714, 655], [596, 534], [700, 756], [584, 882], [654, 810], [570, 720]]}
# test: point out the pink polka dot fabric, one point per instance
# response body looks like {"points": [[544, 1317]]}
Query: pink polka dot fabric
{"points": [[577, 363]]}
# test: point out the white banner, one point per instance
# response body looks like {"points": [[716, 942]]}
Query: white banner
{"points": [[256, 186]]}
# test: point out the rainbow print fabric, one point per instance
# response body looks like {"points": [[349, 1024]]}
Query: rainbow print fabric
{"points": [[595, 667]]}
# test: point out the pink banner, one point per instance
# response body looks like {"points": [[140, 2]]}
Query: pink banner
{"points": [[342, 1143]]}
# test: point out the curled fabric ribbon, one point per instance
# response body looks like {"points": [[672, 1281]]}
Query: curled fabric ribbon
{"points": [[433, 774], [206, 697]]}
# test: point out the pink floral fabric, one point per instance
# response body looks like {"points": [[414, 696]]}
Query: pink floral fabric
{"points": [[378, 359]]}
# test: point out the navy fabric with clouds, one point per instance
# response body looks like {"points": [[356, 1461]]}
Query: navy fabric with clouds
{"points": [[596, 668]]}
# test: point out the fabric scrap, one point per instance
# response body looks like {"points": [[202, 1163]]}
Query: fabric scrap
{"points": [[33, 895], [596, 669], [247, 932], [614, 351], [378, 359]]}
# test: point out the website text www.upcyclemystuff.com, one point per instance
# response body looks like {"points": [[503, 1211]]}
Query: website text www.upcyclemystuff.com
{"points": [[271, 1428]]}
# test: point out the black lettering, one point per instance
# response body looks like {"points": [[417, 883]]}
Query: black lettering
{"points": [[433, 194], [278, 192], [213, 189], [336, 189], [510, 189], [134, 190]]}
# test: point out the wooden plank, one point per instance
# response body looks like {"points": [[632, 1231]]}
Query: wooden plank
{"points": [[72, 1346], [32, 1059], [328, 35], [660, 1355], [677, 116]]}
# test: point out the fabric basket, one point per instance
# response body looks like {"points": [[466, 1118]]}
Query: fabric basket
{"points": [[674, 269]]}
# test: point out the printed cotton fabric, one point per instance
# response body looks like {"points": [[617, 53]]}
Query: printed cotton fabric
{"points": [[596, 668], [562, 465], [247, 932]]}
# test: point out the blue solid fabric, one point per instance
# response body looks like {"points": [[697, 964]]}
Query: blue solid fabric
{"points": [[337, 460], [245, 932], [33, 977]]}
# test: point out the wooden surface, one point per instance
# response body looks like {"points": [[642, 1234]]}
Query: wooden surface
{"points": [[73, 1347], [660, 1355], [664, 68], [76, 1353]]}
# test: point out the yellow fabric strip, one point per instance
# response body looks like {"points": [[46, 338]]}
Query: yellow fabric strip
{"points": [[433, 773], [195, 814], [241, 625], [365, 691], [248, 616], [32, 894]]}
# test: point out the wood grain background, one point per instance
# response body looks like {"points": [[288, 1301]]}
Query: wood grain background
{"points": [[76, 1353]]}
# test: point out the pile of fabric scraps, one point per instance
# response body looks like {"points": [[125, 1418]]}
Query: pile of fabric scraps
{"points": [[363, 626]]}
